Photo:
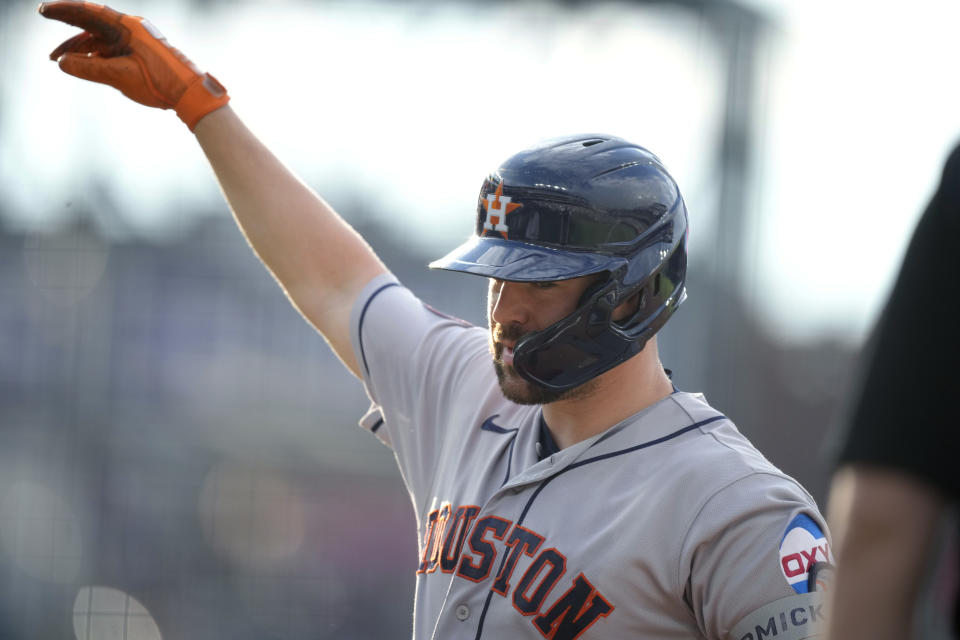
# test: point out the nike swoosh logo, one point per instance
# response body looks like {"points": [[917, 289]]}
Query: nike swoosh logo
{"points": [[490, 425]]}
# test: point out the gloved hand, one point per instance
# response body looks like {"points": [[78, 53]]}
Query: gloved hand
{"points": [[130, 54]]}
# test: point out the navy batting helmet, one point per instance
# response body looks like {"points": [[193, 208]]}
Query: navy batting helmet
{"points": [[576, 206]]}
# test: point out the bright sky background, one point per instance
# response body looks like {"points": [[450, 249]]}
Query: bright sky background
{"points": [[412, 106]]}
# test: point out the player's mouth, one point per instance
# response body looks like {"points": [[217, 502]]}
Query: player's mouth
{"points": [[502, 342]]}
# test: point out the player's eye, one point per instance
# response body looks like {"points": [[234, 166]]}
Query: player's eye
{"points": [[543, 285]]}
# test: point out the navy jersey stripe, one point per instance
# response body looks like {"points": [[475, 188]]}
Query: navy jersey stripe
{"points": [[513, 441], [363, 355], [486, 604], [670, 436], [613, 454]]}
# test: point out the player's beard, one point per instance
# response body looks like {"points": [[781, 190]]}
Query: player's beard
{"points": [[518, 389]]}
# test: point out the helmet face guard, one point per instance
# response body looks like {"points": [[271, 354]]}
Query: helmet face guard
{"points": [[574, 207]]}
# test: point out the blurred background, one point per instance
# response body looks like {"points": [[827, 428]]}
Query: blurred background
{"points": [[179, 455]]}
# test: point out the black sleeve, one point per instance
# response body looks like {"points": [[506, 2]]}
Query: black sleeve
{"points": [[905, 414]]}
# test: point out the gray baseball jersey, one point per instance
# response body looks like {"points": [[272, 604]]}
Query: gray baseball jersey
{"points": [[667, 525]]}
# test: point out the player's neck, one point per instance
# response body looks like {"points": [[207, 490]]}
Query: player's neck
{"points": [[621, 392]]}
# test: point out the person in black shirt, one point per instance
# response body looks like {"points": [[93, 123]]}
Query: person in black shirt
{"points": [[896, 467]]}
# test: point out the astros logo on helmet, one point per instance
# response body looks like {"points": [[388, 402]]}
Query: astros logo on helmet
{"points": [[497, 207]]}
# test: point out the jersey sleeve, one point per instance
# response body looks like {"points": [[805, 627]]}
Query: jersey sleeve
{"points": [[414, 360], [748, 559]]}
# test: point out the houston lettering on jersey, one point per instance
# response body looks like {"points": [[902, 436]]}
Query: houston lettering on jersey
{"points": [[456, 541]]}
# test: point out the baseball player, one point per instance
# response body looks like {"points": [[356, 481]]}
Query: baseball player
{"points": [[564, 488]]}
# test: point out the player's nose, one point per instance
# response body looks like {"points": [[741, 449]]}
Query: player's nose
{"points": [[508, 305]]}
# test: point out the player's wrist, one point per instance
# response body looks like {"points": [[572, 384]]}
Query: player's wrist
{"points": [[203, 96], [216, 124]]}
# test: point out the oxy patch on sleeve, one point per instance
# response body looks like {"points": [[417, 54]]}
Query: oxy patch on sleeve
{"points": [[803, 545], [792, 618]]}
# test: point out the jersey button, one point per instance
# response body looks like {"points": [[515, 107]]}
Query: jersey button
{"points": [[462, 612]]}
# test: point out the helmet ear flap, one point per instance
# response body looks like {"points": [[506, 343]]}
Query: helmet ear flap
{"points": [[659, 295], [598, 302]]}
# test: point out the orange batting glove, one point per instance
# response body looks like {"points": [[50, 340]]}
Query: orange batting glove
{"points": [[130, 54]]}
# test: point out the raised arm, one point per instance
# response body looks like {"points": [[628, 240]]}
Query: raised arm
{"points": [[319, 260]]}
